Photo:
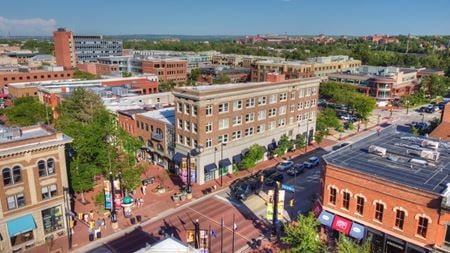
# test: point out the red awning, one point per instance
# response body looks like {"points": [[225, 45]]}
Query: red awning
{"points": [[341, 224]]}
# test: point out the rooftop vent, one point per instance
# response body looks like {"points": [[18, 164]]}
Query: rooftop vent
{"points": [[430, 144], [418, 161], [430, 155], [377, 150]]}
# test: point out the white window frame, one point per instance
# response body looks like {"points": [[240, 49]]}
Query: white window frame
{"points": [[237, 105], [224, 123], [224, 107]]}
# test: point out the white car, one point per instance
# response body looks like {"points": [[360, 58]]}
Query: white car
{"points": [[285, 165], [312, 162]]}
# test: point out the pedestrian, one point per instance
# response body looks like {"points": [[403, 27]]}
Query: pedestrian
{"points": [[91, 224], [98, 223], [141, 201], [104, 223], [144, 189], [86, 218], [136, 202], [91, 215]]}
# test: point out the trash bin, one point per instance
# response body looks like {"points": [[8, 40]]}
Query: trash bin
{"points": [[99, 234], [133, 220], [91, 237], [138, 218]]}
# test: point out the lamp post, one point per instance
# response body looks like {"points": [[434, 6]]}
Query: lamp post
{"points": [[407, 106], [423, 116], [188, 189], [113, 205], [220, 164], [67, 216]]}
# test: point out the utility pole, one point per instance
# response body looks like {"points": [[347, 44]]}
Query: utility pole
{"points": [[275, 209], [232, 240], [221, 235], [188, 160]]}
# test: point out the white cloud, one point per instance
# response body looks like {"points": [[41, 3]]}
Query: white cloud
{"points": [[32, 26]]}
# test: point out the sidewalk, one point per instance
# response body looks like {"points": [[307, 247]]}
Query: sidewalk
{"points": [[155, 204]]}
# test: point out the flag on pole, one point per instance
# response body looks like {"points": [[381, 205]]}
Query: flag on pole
{"points": [[213, 233]]}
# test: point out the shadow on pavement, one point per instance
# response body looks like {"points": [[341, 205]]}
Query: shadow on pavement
{"points": [[133, 241]]}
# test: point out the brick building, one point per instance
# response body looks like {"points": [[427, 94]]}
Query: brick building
{"points": [[443, 130], [34, 76], [64, 48], [393, 187], [166, 69], [34, 198], [240, 115]]}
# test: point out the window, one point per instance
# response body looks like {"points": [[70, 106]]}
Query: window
{"points": [[188, 141], [237, 105], [346, 200], [261, 115], [52, 219], [49, 191], [194, 110], [308, 92], [194, 127], [22, 238], [46, 168], [236, 135], [360, 205], [180, 124], [208, 127], [313, 91], [282, 122], [292, 108], [179, 107], [6, 173], [250, 103], [249, 131], [282, 110], [250, 117], [379, 209], [260, 129], [293, 95], [180, 139], [262, 100], [422, 226], [300, 106], [208, 143], [209, 110], [237, 120], [399, 219], [313, 103], [224, 107], [333, 194], [187, 126], [272, 112], [187, 109], [272, 125], [283, 97], [307, 104], [16, 201], [273, 99], [223, 123], [223, 138]]}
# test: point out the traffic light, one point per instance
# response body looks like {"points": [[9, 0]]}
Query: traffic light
{"points": [[291, 203], [262, 178]]}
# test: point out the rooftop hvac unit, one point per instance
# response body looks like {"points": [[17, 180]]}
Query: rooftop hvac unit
{"points": [[430, 144], [418, 161], [430, 155], [377, 150]]}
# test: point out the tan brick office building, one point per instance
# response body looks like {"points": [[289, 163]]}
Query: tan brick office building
{"points": [[33, 200], [240, 115], [166, 69], [392, 187]]}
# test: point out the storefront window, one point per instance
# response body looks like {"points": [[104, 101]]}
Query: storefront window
{"points": [[52, 219], [22, 238]]}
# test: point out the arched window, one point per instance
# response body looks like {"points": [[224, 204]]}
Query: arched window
{"points": [[159, 131], [6, 173], [42, 168], [17, 177], [51, 166]]}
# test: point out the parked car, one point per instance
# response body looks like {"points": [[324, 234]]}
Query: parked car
{"points": [[285, 165], [349, 117], [338, 146], [312, 162], [241, 189], [421, 126], [296, 169], [422, 109], [276, 177]]}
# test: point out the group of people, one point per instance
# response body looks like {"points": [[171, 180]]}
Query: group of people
{"points": [[94, 226]]}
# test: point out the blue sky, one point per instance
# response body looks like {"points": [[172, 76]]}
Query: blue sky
{"points": [[226, 17]]}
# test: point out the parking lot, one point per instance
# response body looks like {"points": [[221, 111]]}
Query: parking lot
{"points": [[306, 185]]}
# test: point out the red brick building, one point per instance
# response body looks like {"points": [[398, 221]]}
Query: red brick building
{"points": [[392, 187], [443, 130], [166, 69], [33, 76], [64, 49]]}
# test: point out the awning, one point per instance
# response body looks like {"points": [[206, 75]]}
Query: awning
{"points": [[326, 218], [225, 162], [177, 157], [342, 225], [357, 231], [210, 167], [237, 158], [20, 225], [272, 146]]}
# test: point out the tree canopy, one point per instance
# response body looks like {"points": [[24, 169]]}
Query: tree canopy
{"points": [[78, 74], [346, 245], [303, 235], [254, 154], [27, 111], [434, 85]]}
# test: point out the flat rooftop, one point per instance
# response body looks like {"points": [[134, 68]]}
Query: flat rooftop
{"points": [[166, 115], [404, 161], [12, 134]]}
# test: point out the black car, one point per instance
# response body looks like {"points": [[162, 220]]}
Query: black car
{"points": [[266, 173], [274, 178], [242, 188], [297, 169]]}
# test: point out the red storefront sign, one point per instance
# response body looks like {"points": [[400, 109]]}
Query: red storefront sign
{"points": [[342, 225]]}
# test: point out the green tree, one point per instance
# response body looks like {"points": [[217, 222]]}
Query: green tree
{"points": [[434, 85], [254, 154], [345, 245], [27, 111], [126, 74], [300, 141], [284, 145], [363, 105], [221, 79], [166, 86], [78, 74], [303, 236]]}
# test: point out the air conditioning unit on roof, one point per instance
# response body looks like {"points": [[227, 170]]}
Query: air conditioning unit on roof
{"points": [[377, 150]]}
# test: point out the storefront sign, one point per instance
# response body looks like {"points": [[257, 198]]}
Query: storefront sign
{"points": [[326, 218], [357, 231], [107, 190], [342, 225]]}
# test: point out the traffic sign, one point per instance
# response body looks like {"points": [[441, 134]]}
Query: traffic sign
{"points": [[288, 187]]}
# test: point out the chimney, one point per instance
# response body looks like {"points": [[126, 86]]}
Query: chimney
{"points": [[275, 77]]}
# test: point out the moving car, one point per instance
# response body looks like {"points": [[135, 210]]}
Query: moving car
{"points": [[312, 162], [285, 165], [297, 169], [276, 177], [241, 189]]}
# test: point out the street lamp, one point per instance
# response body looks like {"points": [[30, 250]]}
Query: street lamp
{"points": [[423, 116], [188, 160], [221, 162], [67, 216], [407, 106]]}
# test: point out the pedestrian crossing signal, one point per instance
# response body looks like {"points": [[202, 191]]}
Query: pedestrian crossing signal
{"points": [[291, 203]]}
